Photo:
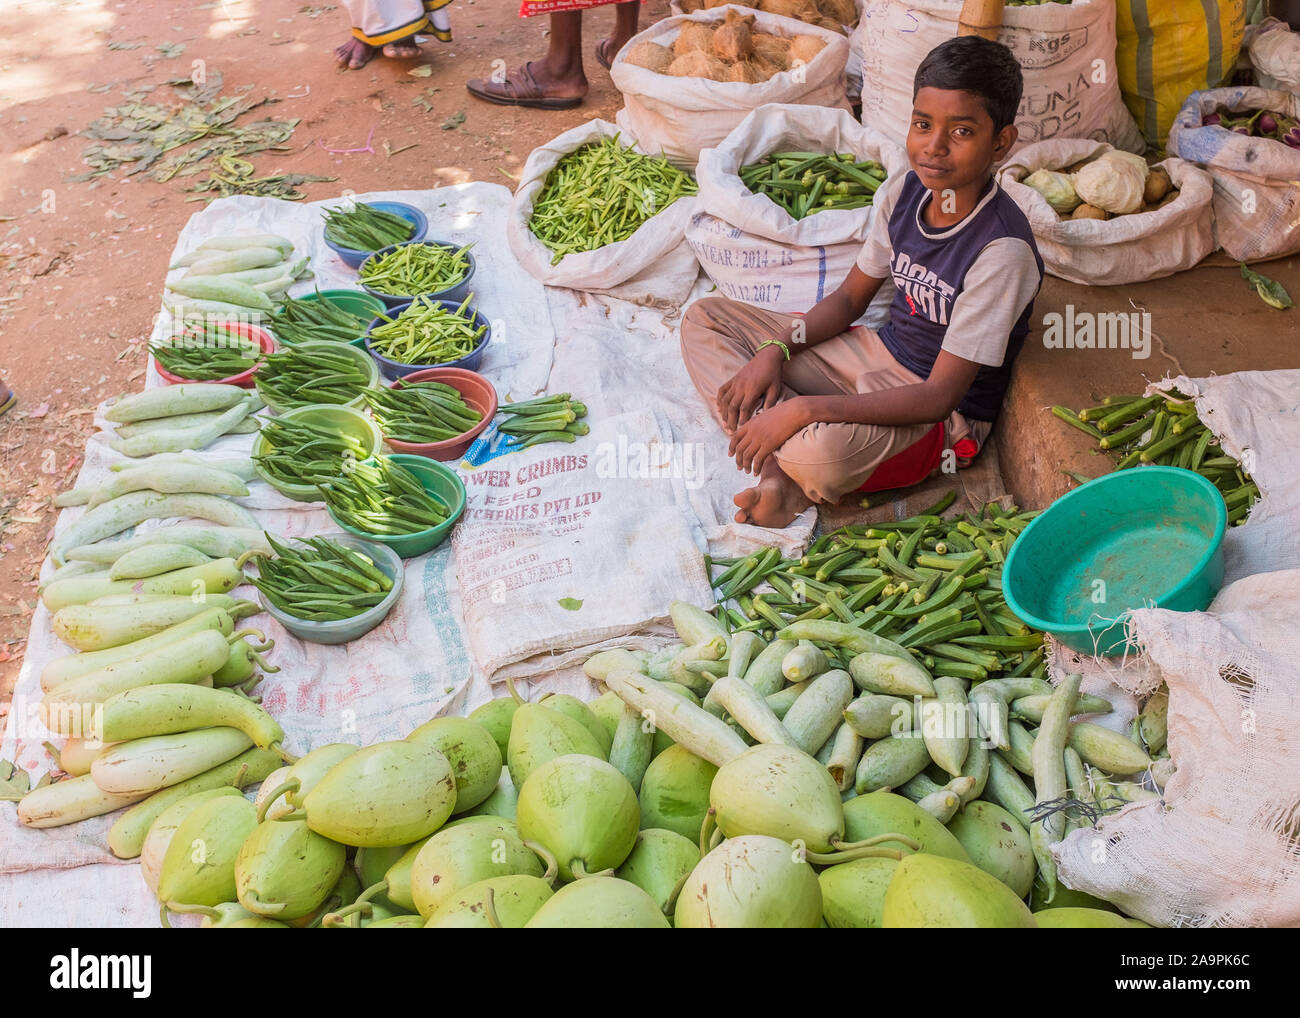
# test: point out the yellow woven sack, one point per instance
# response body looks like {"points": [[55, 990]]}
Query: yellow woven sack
{"points": [[1168, 49]]}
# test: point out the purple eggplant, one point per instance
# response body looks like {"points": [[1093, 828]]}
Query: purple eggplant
{"points": [[1266, 125], [1211, 119]]}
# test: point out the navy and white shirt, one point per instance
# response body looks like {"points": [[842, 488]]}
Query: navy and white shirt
{"points": [[968, 289]]}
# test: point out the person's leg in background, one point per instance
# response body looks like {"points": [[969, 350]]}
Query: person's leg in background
{"points": [[626, 16], [389, 27]]}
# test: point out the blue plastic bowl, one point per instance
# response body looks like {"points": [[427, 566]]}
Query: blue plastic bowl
{"points": [[396, 369], [1145, 537], [353, 257], [453, 293]]}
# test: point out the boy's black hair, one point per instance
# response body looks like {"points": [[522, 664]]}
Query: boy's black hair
{"points": [[971, 63]]}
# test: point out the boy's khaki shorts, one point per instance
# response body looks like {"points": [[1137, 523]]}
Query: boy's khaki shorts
{"points": [[827, 461]]}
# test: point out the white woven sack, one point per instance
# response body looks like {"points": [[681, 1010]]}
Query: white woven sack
{"points": [[653, 266], [1126, 249], [1219, 848], [1256, 180], [753, 249], [681, 117], [1066, 51]]}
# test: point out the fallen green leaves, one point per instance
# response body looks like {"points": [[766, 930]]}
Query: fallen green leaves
{"points": [[236, 177], [186, 138], [1270, 291]]}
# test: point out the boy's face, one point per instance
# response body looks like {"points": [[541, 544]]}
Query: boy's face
{"points": [[951, 142]]}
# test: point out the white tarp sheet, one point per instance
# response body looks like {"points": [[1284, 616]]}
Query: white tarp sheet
{"points": [[419, 663]]}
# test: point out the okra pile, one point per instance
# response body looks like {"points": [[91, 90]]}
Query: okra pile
{"points": [[415, 269], [297, 377], [382, 498], [208, 353], [426, 332], [305, 321], [320, 580], [803, 183], [602, 193], [932, 585], [422, 412], [366, 228], [554, 418], [1165, 430], [300, 452]]}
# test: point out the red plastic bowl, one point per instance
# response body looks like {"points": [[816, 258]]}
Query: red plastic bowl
{"points": [[478, 393], [245, 378]]}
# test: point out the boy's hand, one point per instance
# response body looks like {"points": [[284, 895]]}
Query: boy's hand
{"points": [[760, 436], [754, 387]]}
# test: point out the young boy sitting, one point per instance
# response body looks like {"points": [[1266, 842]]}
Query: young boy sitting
{"points": [[813, 406]]}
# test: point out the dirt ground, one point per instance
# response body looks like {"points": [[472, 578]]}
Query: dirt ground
{"points": [[81, 263]]}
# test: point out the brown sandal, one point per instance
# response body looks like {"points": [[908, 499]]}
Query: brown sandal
{"points": [[520, 89]]}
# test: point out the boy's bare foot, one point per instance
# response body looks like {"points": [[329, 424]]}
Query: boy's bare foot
{"points": [[774, 501], [402, 49], [355, 54]]}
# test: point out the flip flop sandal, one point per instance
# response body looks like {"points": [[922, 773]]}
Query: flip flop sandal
{"points": [[520, 89], [7, 399], [602, 55]]}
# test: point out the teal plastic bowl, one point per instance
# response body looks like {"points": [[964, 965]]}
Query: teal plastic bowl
{"points": [[439, 481], [356, 302], [1146, 537], [326, 415], [346, 630]]}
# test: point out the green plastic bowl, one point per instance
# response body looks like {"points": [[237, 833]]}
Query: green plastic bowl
{"points": [[1139, 538], [439, 481], [341, 419], [360, 356], [355, 302], [346, 630]]}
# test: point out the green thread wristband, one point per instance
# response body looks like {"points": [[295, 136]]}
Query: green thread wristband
{"points": [[775, 342]]}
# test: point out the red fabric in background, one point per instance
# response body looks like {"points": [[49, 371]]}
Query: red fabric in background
{"points": [[532, 8]]}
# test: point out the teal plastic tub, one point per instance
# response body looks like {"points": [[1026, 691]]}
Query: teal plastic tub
{"points": [[347, 630], [442, 483], [341, 419], [1139, 538], [355, 302]]}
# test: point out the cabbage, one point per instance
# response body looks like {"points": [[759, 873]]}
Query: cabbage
{"points": [[1113, 182], [1055, 187]]}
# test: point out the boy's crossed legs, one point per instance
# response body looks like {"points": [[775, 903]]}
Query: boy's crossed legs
{"points": [[822, 462]]}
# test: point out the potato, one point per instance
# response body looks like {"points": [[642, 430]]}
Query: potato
{"points": [[693, 37], [1157, 186], [732, 40], [1086, 211], [1172, 196], [698, 64], [651, 56]]}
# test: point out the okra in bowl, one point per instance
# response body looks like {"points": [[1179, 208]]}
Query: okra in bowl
{"points": [[326, 316], [312, 373], [225, 353], [355, 232], [436, 269], [428, 333], [329, 589], [407, 503], [294, 452]]}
